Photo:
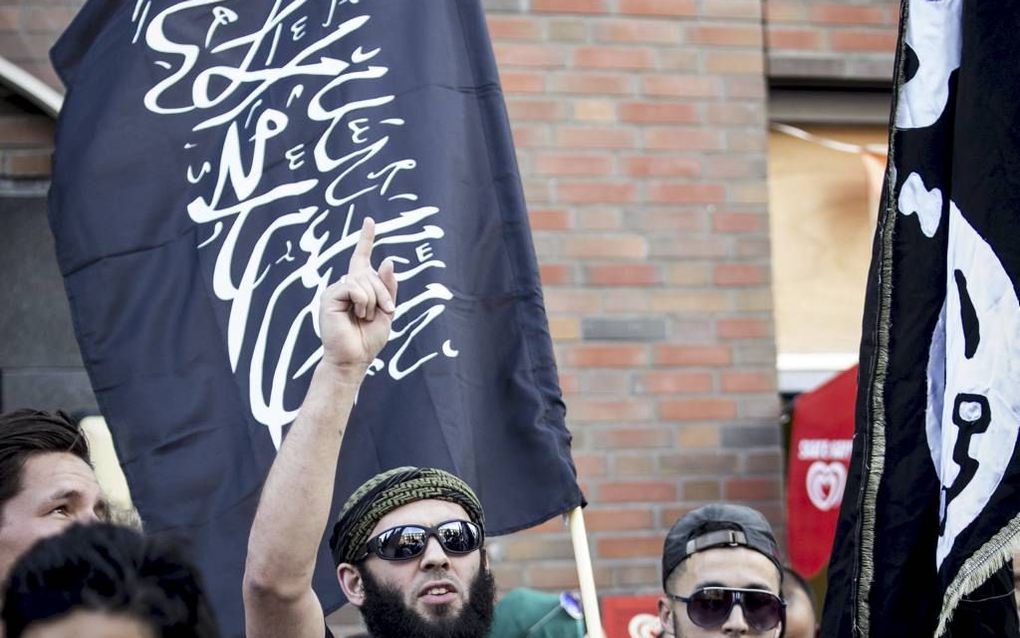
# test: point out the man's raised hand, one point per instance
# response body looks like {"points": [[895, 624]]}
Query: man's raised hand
{"points": [[356, 312]]}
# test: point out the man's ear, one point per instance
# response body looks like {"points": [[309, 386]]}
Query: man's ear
{"points": [[666, 615], [352, 583]]}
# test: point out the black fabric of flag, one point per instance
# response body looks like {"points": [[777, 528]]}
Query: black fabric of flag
{"points": [[214, 162], [932, 510]]}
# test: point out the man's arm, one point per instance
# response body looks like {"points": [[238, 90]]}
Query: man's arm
{"points": [[354, 322]]}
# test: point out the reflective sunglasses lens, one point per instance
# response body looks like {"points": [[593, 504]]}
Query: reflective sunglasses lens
{"points": [[401, 543], [459, 537], [762, 610], [710, 608]]}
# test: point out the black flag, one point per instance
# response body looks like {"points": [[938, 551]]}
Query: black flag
{"points": [[932, 511], [215, 159]]}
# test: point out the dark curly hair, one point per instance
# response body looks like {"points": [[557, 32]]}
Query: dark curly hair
{"points": [[109, 569]]}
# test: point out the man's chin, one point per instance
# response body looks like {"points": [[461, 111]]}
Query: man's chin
{"points": [[387, 615]]}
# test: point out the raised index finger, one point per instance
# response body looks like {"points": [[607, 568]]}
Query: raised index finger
{"points": [[361, 259]]}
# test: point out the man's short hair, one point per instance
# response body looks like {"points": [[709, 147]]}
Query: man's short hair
{"points": [[718, 525], [25, 433], [387, 491], [108, 569]]}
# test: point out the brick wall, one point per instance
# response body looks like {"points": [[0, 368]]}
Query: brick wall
{"points": [[640, 132], [28, 28], [849, 40]]}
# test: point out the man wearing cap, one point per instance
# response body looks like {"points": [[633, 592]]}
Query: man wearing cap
{"points": [[408, 545], [721, 575]]}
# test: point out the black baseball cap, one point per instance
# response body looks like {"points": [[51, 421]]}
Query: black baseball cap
{"points": [[718, 525]]}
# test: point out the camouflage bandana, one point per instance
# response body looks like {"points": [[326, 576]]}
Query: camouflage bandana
{"points": [[389, 490]]}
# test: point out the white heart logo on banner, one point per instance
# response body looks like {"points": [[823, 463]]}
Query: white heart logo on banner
{"points": [[825, 484]]}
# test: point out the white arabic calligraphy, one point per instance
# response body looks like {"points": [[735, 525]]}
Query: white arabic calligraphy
{"points": [[276, 238]]}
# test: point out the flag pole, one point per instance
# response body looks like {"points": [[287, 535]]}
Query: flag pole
{"points": [[585, 575]]}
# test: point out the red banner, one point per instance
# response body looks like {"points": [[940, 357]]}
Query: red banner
{"points": [[823, 426]]}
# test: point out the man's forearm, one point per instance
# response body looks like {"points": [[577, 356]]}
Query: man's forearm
{"points": [[297, 495]]}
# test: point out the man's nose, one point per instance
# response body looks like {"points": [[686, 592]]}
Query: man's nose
{"points": [[736, 624], [434, 555]]}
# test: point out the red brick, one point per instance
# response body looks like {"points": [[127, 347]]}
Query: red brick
{"points": [[536, 55], [700, 463], [635, 465], [586, 83], [689, 355], [530, 135], [629, 547], [751, 489], [569, 6], [624, 275], [594, 137], [640, 32], [703, 490], [752, 114], [637, 492], [677, 138], [738, 222], [614, 58], [658, 113], [735, 62], [673, 382], [601, 410], [599, 218], [659, 7], [629, 437], [743, 329], [606, 246], [865, 41], [681, 86], [740, 275], [739, 9], [608, 356], [847, 14], [522, 81], [764, 462], [530, 548], [549, 219], [569, 382], [573, 164], [697, 409], [686, 193], [611, 520], [513, 28], [596, 192], [572, 301], [590, 465], [794, 39], [548, 575], [739, 381], [783, 11], [555, 274], [730, 36], [536, 110], [661, 166]]}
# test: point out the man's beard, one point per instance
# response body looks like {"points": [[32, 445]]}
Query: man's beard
{"points": [[387, 616]]}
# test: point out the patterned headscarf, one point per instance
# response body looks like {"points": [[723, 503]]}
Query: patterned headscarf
{"points": [[387, 491]]}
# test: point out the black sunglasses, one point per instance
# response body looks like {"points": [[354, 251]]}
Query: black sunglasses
{"points": [[709, 607], [408, 541]]}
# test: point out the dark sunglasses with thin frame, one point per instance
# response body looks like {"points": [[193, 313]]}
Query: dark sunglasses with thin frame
{"points": [[709, 607], [404, 542]]}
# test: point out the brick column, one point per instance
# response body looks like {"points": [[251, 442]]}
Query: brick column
{"points": [[640, 128]]}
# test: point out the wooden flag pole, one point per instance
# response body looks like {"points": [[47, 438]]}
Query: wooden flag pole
{"points": [[585, 575]]}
